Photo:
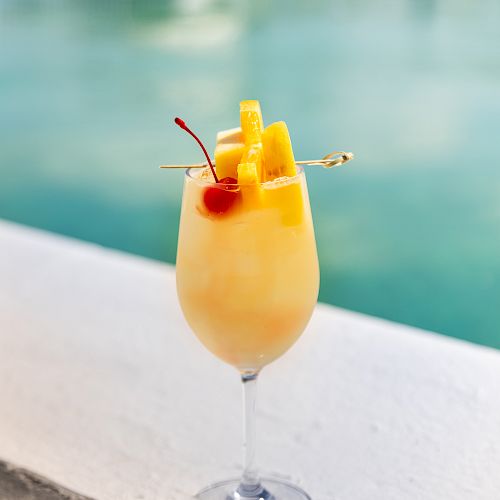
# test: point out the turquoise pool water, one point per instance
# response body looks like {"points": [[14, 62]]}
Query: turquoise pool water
{"points": [[409, 232]]}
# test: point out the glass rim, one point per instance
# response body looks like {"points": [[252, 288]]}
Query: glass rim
{"points": [[286, 180]]}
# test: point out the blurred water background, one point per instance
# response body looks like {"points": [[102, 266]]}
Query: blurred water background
{"points": [[410, 231]]}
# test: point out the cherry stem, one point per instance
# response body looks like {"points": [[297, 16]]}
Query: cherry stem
{"points": [[182, 124]]}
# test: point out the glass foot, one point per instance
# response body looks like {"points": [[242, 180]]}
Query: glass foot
{"points": [[272, 489]]}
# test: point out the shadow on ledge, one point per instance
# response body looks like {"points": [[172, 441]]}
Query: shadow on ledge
{"points": [[20, 484]]}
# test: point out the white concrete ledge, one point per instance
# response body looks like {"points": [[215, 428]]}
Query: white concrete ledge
{"points": [[104, 390]]}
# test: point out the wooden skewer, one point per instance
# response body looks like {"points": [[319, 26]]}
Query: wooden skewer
{"points": [[334, 159]]}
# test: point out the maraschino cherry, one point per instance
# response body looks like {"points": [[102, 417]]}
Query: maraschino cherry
{"points": [[217, 199]]}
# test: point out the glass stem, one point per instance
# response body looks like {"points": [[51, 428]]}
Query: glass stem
{"points": [[250, 486]]}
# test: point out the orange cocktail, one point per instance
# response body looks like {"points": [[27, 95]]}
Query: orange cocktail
{"points": [[247, 269], [248, 280]]}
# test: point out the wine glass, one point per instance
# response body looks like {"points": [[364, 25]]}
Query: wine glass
{"points": [[247, 281]]}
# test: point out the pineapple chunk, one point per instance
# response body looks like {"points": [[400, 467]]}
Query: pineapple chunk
{"points": [[279, 159], [280, 162], [252, 124], [228, 152], [247, 174], [253, 154], [248, 179], [230, 136]]}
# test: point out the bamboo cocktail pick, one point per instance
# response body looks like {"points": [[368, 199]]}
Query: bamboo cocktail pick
{"points": [[334, 159]]}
